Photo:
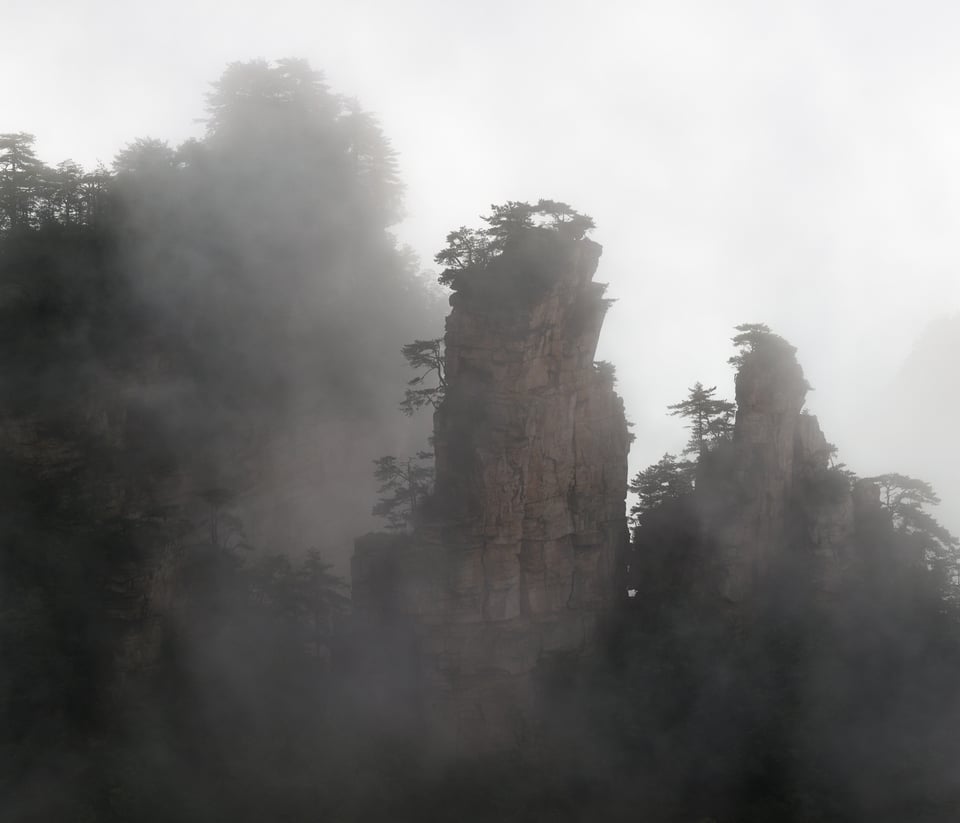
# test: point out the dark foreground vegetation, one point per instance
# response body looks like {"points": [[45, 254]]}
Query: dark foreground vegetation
{"points": [[162, 318]]}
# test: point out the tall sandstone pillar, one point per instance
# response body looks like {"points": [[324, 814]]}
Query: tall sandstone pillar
{"points": [[514, 561], [761, 502]]}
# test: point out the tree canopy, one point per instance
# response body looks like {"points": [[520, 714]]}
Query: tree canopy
{"points": [[757, 337], [425, 356], [405, 484], [667, 479], [906, 498], [198, 313], [469, 251], [709, 419], [33, 195]]}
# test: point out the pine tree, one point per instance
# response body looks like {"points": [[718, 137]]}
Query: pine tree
{"points": [[508, 221], [905, 498], [426, 355], [756, 337], [472, 250], [404, 485], [710, 419], [667, 479], [21, 174]]}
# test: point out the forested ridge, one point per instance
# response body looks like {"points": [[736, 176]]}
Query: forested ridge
{"points": [[176, 326]]}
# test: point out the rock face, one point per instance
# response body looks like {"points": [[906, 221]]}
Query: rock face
{"points": [[771, 488], [516, 560]]}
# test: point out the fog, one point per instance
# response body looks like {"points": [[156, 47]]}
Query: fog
{"points": [[201, 357], [793, 165]]}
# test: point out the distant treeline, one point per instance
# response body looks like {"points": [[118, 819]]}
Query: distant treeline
{"points": [[173, 331]]}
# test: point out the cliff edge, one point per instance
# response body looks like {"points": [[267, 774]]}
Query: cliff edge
{"points": [[514, 559]]}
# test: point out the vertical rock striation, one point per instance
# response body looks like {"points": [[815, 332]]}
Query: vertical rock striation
{"points": [[515, 559], [767, 495]]}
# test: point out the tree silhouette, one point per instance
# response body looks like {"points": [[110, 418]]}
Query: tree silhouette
{"points": [[65, 197], [565, 219], [466, 250], [145, 156], [667, 479], [426, 356], [710, 419], [508, 221], [905, 498], [472, 250], [404, 485], [21, 175], [755, 337]]}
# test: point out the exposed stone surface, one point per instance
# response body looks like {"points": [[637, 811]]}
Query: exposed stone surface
{"points": [[516, 561], [768, 491], [824, 513]]}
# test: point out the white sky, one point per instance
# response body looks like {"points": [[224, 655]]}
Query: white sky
{"points": [[791, 163]]}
